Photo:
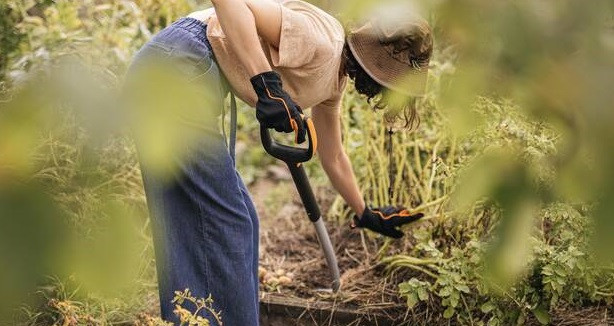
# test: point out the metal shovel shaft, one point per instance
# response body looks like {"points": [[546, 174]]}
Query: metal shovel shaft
{"points": [[329, 252], [313, 212]]}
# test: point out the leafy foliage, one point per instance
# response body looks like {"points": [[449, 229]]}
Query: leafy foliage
{"points": [[450, 258], [193, 316], [10, 37]]}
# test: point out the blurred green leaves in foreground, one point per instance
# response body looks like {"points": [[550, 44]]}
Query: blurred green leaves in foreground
{"points": [[555, 60], [73, 225], [516, 124]]}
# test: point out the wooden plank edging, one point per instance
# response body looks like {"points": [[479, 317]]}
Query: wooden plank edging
{"points": [[277, 310]]}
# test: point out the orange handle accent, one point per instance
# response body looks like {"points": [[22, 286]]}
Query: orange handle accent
{"points": [[313, 136]]}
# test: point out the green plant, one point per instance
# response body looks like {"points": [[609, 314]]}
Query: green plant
{"points": [[10, 36], [449, 257], [200, 306]]}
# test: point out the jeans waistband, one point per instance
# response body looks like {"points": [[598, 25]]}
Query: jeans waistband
{"points": [[195, 27]]}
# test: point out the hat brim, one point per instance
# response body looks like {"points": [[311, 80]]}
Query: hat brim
{"points": [[384, 69]]}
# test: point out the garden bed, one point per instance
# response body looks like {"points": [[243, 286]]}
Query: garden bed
{"points": [[295, 281]]}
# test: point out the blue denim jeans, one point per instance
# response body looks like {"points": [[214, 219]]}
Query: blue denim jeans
{"points": [[204, 223]]}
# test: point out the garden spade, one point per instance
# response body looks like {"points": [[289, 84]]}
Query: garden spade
{"points": [[294, 157]]}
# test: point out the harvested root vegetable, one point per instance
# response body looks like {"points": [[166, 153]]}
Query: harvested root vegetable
{"points": [[262, 272], [285, 280]]}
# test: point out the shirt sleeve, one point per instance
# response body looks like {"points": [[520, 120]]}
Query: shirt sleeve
{"points": [[301, 42]]}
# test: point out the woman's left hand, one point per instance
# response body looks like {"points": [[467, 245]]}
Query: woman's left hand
{"points": [[385, 220]]}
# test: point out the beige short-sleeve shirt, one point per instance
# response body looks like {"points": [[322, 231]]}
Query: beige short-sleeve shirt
{"points": [[308, 58]]}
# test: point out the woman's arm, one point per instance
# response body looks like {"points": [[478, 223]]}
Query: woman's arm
{"points": [[334, 160], [243, 21]]}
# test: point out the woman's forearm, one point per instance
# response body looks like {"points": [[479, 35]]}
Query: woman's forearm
{"points": [[341, 175], [239, 26]]}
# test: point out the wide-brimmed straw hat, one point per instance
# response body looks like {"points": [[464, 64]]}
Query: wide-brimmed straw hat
{"points": [[394, 51]]}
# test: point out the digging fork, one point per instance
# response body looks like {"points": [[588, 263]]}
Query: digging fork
{"points": [[294, 157]]}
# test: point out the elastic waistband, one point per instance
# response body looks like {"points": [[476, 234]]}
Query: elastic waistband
{"points": [[194, 26]]}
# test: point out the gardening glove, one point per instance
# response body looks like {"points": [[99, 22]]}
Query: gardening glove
{"points": [[385, 220], [275, 109]]}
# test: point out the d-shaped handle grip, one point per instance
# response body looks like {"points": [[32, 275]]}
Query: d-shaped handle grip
{"points": [[287, 153]]}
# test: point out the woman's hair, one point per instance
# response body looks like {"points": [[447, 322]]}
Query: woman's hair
{"points": [[363, 83], [368, 87]]}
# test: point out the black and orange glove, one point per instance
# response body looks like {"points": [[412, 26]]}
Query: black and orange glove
{"points": [[275, 109], [385, 220]]}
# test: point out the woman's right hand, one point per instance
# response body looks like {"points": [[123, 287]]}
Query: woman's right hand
{"points": [[385, 220], [275, 109]]}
